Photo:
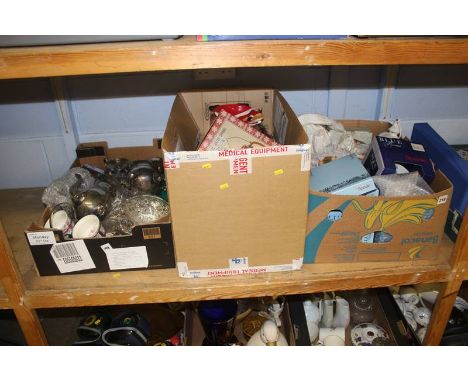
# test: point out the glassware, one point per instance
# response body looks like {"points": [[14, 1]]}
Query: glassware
{"points": [[361, 307], [217, 318]]}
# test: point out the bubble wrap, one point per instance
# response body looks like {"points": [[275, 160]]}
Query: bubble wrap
{"points": [[59, 190], [409, 184]]}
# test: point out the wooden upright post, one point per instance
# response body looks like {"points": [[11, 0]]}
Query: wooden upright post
{"points": [[14, 288], [449, 291]]}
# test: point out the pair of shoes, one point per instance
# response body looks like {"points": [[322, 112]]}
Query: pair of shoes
{"points": [[127, 328]]}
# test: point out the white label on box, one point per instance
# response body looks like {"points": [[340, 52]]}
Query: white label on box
{"points": [[126, 258], [259, 152], [240, 165], [239, 262], [41, 238], [297, 263], [184, 271], [442, 199], [306, 157], [182, 268], [72, 256], [417, 147], [171, 161]]}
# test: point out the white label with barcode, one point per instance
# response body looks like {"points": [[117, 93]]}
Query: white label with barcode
{"points": [[72, 256]]}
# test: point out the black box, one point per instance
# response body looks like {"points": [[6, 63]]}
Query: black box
{"points": [[155, 238]]}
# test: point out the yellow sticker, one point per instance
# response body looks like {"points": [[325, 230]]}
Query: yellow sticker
{"points": [[223, 186], [206, 165], [278, 172], [116, 275]]}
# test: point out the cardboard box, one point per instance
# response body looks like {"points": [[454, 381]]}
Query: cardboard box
{"points": [[229, 132], [386, 315], [343, 176], [343, 228], [393, 156], [193, 333], [236, 211], [149, 244]]}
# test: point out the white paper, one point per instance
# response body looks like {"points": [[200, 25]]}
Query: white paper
{"points": [[126, 258], [185, 272], [306, 157], [171, 161], [41, 238], [72, 256], [239, 262], [442, 199], [417, 147]]}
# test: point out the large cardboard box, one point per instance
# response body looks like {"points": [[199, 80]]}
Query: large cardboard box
{"points": [[227, 221], [344, 228], [154, 241]]}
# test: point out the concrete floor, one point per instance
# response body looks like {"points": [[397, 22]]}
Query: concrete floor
{"points": [[60, 324]]}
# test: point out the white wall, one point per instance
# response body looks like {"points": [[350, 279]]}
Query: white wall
{"points": [[132, 109]]}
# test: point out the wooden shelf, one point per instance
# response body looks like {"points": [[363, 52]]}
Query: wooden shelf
{"points": [[4, 302], [19, 207], [187, 53]]}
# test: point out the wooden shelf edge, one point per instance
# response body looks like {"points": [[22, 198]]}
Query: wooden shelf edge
{"points": [[235, 287], [187, 53], [4, 301]]}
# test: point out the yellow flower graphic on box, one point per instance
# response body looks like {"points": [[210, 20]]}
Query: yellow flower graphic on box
{"points": [[391, 212], [415, 252]]}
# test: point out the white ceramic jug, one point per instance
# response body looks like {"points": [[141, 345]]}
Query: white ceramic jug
{"points": [[327, 312], [342, 313]]}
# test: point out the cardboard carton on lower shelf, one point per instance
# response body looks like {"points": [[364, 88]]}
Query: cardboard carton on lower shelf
{"points": [[149, 246], [227, 221], [343, 228]]}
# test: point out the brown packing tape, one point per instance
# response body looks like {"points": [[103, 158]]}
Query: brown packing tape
{"points": [[376, 127]]}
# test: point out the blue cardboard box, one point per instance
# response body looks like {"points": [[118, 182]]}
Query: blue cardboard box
{"points": [[455, 167]]}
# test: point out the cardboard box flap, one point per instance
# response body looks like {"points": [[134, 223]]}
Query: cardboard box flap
{"points": [[293, 136], [441, 182], [181, 126], [189, 120], [198, 103], [132, 153], [136, 152], [376, 127]]}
